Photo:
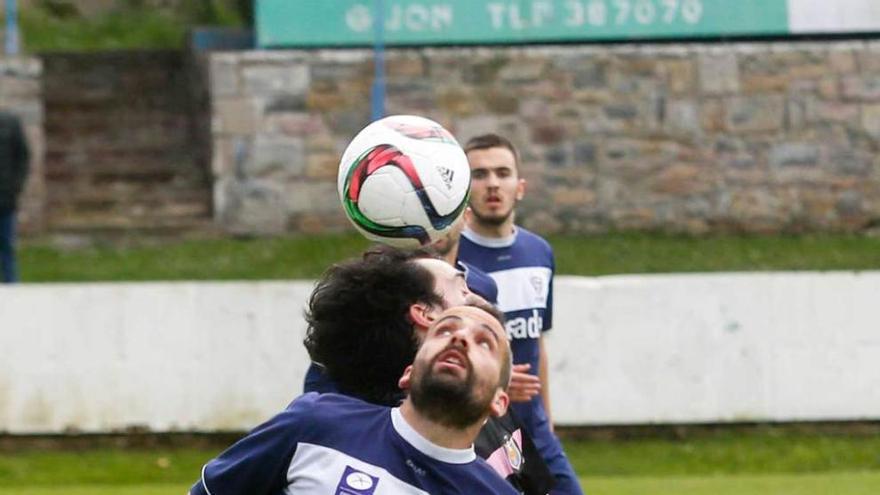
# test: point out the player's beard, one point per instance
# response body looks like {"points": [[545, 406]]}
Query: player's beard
{"points": [[448, 401], [493, 220]]}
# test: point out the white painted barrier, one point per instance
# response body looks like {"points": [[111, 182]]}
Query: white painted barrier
{"points": [[626, 349]]}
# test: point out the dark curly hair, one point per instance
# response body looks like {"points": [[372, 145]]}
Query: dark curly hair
{"points": [[358, 327]]}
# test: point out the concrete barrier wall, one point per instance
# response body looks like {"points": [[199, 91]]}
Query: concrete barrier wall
{"points": [[626, 349]]}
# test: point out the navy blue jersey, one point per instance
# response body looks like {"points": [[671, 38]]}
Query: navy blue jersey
{"points": [[479, 282], [522, 266], [333, 444]]}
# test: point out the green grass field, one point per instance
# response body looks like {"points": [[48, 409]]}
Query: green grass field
{"points": [[814, 484], [769, 461], [307, 257]]}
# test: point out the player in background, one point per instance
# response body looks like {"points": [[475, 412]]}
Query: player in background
{"points": [[362, 334], [329, 443], [522, 264]]}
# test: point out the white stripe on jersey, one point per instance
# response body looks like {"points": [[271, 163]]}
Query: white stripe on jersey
{"points": [[522, 288], [320, 470]]}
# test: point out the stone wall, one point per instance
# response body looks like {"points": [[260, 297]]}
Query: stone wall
{"points": [[122, 143], [754, 137], [21, 94]]}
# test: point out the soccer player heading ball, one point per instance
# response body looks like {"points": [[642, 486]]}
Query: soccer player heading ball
{"points": [[337, 444]]}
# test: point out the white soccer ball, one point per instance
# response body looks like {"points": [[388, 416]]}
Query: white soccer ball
{"points": [[404, 180]]}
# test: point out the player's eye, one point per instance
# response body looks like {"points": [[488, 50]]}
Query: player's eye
{"points": [[478, 174]]}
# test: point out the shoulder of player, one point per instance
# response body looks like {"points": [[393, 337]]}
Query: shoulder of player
{"points": [[533, 240], [489, 478], [326, 409]]}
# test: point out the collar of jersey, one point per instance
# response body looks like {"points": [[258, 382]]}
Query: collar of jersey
{"points": [[490, 242], [425, 446]]}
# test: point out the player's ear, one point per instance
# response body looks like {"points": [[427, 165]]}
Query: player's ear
{"points": [[422, 315], [520, 189], [499, 404], [405, 379]]}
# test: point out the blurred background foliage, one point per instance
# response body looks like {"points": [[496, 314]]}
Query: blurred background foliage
{"points": [[90, 25]]}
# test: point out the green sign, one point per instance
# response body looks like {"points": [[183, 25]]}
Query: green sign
{"points": [[431, 22]]}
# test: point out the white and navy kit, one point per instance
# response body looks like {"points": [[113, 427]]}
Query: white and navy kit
{"points": [[522, 266], [336, 445]]}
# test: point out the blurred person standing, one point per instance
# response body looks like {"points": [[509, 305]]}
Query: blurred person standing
{"points": [[14, 158], [522, 265]]}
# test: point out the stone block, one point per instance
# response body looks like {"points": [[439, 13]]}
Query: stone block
{"points": [[279, 156], [795, 154], [269, 80], [712, 115], [681, 76], [294, 124], [871, 120], [762, 83], [311, 197], [234, 116], [861, 88], [832, 111], [252, 207], [523, 70], [851, 162], [405, 66], [572, 196], [719, 73], [322, 166], [682, 117], [842, 61], [456, 101], [499, 101], [584, 154], [683, 180], [589, 75], [829, 87], [224, 78], [285, 103], [764, 113], [19, 88]]}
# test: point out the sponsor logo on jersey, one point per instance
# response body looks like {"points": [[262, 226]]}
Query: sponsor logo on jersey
{"points": [[354, 482], [525, 328]]}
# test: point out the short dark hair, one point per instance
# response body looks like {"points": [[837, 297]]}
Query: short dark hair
{"points": [[491, 140], [358, 324]]}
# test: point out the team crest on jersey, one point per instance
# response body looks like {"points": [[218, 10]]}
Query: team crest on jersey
{"points": [[355, 482], [514, 453], [538, 284]]}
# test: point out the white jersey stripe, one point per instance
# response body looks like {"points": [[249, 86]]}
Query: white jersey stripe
{"points": [[524, 288], [320, 470]]}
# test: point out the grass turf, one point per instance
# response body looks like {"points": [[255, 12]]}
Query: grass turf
{"points": [[814, 484], [307, 257], [856, 483], [754, 461]]}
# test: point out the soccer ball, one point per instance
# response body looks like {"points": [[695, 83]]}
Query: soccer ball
{"points": [[404, 181]]}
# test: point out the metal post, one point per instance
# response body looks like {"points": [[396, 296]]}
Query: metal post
{"points": [[11, 42], [377, 98]]}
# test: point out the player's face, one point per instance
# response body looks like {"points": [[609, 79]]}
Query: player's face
{"points": [[449, 283], [495, 185], [460, 363]]}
